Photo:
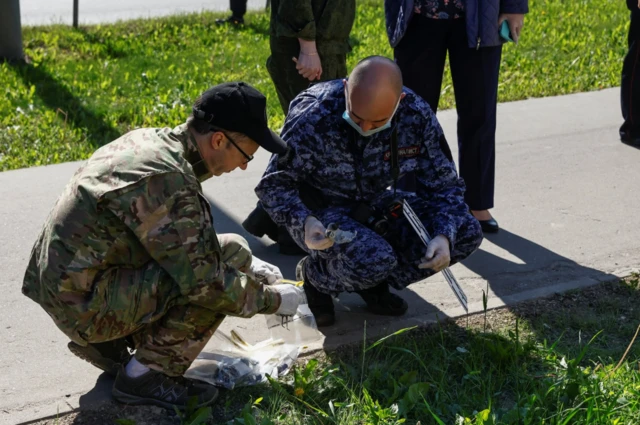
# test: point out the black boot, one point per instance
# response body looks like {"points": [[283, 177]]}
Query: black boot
{"points": [[259, 223], [380, 301], [321, 305], [108, 356]]}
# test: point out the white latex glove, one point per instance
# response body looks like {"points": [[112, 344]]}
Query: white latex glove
{"points": [[438, 255], [315, 235], [264, 272], [292, 296]]}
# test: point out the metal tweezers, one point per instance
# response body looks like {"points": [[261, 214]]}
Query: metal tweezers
{"points": [[284, 321]]}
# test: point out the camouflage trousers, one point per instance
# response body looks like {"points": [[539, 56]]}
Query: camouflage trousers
{"points": [[178, 331], [288, 82], [371, 259]]}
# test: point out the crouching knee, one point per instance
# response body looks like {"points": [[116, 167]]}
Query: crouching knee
{"points": [[235, 251], [468, 240]]}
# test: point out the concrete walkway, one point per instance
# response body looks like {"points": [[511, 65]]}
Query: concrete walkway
{"points": [[566, 201]]}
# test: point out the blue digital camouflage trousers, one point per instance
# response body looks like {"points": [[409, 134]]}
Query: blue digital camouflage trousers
{"points": [[371, 259]]}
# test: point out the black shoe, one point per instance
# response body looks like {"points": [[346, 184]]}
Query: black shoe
{"points": [[108, 356], [286, 244], [380, 301], [161, 390], [489, 226], [628, 139], [321, 305], [259, 223], [233, 20]]}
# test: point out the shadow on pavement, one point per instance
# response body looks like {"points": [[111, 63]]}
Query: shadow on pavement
{"points": [[99, 395], [532, 266]]}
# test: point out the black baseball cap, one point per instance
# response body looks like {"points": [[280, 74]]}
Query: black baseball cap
{"points": [[238, 107]]}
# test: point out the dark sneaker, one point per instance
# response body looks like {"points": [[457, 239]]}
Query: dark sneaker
{"points": [[381, 301], [233, 20], [259, 223], [108, 356], [162, 390], [321, 305]]}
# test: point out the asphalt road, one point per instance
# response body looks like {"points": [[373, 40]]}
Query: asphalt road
{"points": [[43, 12]]}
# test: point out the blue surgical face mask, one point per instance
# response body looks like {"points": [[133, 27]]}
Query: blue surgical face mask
{"points": [[373, 131]]}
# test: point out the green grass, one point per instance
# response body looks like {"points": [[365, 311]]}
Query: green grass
{"points": [[85, 87], [539, 363]]}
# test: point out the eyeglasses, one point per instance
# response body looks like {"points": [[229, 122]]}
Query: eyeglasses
{"points": [[249, 157]]}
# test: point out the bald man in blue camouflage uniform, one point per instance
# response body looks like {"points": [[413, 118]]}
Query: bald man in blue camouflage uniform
{"points": [[338, 135]]}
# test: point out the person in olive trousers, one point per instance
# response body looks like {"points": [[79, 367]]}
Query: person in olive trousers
{"points": [[309, 43]]}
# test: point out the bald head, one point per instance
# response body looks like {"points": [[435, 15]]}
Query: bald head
{"points": [[376, 73], [373, 90]]}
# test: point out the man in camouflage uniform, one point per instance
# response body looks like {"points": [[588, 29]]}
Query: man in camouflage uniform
{"points": [[129, 257], [338, 138]]}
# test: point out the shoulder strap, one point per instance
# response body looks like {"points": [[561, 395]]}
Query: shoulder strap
{"points": [[395, 166]]}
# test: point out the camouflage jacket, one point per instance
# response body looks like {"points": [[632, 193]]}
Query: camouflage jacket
{"points": [[136, 201], [328, 22], [328, 155]]}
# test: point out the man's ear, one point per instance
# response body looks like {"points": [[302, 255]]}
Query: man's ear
{"points": [[216, 140]]}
